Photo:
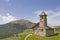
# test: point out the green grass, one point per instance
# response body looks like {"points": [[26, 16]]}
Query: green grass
{"points": [[37, 37], [15, 38], [34, 37]]}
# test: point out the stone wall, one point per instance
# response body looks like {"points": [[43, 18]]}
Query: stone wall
{"points": [[49, 32]]}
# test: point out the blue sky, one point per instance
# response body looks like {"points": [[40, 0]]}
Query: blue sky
{"points": [[30, 9]]}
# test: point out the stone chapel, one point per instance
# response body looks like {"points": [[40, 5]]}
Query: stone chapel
{"points": [[42, 28]]}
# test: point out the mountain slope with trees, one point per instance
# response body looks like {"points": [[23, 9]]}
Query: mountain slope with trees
{"points": [[14, 27]]}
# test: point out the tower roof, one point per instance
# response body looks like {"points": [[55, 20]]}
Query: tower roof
{"points": [[43, 13]]}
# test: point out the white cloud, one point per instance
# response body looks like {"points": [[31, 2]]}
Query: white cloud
{"points": [[7, 18], [53, 16]]}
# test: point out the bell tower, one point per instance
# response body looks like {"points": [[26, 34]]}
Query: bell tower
{"points": [[43, 19], [42, 28]]}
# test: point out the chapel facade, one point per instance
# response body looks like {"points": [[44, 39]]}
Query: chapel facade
{"points": [[42, 28]]}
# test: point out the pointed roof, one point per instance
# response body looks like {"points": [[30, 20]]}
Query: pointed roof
{"points": [[37, 26], [43, 13]]}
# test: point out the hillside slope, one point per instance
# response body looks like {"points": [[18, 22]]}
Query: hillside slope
{"points": [[34, 37], [14, 27]]}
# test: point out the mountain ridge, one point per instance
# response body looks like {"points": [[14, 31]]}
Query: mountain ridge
{"points": [[15, 27]]}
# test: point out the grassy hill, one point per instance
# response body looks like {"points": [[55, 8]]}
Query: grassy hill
{"points": [[34, 37], [19, 29], [14, 27], [57, 28]]}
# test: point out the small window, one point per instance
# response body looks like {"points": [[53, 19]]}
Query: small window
{"points": [[41, 17], [41, 29]]}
